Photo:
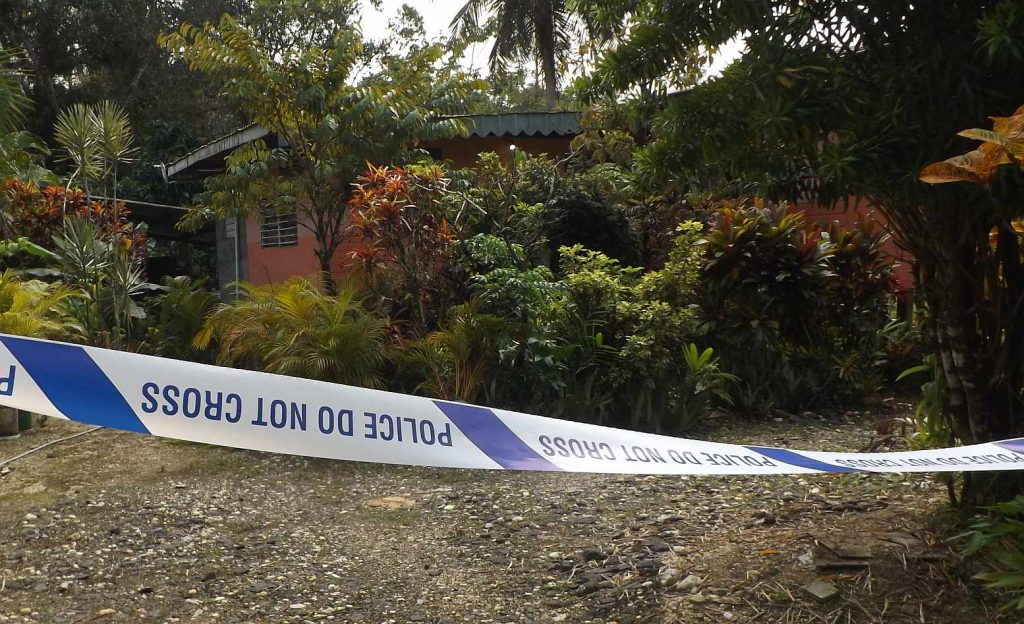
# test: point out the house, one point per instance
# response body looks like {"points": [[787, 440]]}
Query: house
{"points": [[275, 248]]}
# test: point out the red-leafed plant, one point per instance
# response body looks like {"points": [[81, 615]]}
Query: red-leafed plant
{"points": [[399, 220], [38, 214]]}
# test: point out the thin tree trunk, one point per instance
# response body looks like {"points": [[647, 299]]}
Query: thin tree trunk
{"points": [[326, 277], [545, 27]]}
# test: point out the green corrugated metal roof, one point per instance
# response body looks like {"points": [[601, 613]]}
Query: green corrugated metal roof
{"points": [[523, 124], [565, 123]]}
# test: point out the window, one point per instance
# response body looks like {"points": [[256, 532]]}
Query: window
{"points": [[278, 229]]}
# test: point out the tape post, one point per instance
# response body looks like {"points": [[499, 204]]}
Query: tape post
{"points": [[275, 413]]}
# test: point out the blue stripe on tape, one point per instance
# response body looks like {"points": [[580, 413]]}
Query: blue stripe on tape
{"points": [[492, 436], [796, 459], [1016, 445], [73, 382]]}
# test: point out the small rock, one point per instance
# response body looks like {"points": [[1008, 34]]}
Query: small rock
{"points": [[593, 554], [669, 576], [105, 612], [656, 544], [821, 590], [689, 583]]}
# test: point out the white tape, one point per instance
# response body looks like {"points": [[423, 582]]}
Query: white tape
{"points": [[260, 411]]}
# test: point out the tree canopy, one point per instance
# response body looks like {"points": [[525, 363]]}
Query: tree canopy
{"points": [[329, 126]]}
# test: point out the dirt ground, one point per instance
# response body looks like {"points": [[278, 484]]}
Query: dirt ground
{"points": [[117, 527]]}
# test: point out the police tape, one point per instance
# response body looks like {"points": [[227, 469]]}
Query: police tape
{"points": [[275, 413]]}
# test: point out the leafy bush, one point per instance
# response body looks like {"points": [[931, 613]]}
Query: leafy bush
{"points": [[293, 328], [103, 268], [399, 216], [797, 314], [998, 540], [38, 214], [457, 361], [180, 314], [33, 308], [543, 205], [657, 378]]}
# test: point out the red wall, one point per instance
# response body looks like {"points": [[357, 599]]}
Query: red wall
{"points": [[274, 264], [850, 214]]}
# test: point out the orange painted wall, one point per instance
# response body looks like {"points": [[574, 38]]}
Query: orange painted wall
{"points": [[276, 264], [273, 264], [462, 153], [854, 212]]}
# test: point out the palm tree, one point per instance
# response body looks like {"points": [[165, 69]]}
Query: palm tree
{"points": [[294, 328], [33, 308], [13, 102], [523, 29]]}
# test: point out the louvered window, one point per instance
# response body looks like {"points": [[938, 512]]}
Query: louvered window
{"points": [[278, 229]]}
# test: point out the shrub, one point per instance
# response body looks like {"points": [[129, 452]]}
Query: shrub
{"points": [[456, 362], [110, 277], [33, 308], [796, 313], [292, 328], [38, 214], [399, 218], [180, 314], [630, 335], [998, 540]]}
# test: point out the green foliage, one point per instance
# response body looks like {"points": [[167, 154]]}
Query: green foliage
{"points": [[180, 314], [800, 115], [332, 126], [457, 362], [34, 308], [102, 268], [797, 314], [542, 205], [293, 328], [13, 103], [524, 31], [95, 140], [21, 157], [997, 540]]}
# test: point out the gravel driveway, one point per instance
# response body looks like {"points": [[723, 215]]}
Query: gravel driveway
{"points": [[116, 527]]}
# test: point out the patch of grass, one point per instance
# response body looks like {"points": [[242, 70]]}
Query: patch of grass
{"points": [[21, 501]]}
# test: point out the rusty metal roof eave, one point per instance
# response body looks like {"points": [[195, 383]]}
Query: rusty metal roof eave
{"points": [[214, 148], [543, 124]]}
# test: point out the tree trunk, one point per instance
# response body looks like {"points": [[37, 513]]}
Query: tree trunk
{"points": [[550, 83], [326, 277], [544, 21], [977, 351]]}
